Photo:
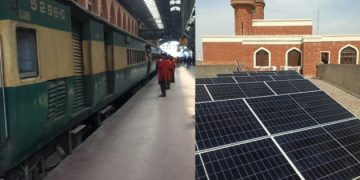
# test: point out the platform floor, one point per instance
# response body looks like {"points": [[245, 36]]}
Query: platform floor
{"points": [[149, 138]]}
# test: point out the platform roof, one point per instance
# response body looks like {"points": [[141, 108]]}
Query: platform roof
{"points": [[175, 22]]}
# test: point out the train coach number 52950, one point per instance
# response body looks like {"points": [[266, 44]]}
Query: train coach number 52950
{"points": [[48, 9]]}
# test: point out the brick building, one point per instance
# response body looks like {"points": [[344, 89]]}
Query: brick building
{"points": [[277, 44]]}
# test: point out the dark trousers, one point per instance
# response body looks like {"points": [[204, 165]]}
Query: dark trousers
{"points": [[163, 87]]}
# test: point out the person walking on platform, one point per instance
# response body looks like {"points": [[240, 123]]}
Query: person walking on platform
{"points": [[162, 71], [173, 67], [168, 65]]}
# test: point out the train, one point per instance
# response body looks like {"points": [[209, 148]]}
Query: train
{"points": [[59, 65]]}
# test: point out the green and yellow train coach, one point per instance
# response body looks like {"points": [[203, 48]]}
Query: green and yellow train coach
{"points": [[60, 64]]}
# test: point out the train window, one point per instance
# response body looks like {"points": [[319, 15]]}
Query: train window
{"points": [[27, 52]]}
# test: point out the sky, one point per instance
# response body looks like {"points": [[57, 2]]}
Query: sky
{"points": [[216, 17]]}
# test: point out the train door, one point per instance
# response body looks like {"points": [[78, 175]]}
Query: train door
{"points": [[3, 116], [108, 64], [79, 101]]}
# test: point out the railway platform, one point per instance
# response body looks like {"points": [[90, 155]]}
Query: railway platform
{"points": [[148, 138]]}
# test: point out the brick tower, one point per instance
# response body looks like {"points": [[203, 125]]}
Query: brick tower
{"points": [[243, 16], [259, 12]]}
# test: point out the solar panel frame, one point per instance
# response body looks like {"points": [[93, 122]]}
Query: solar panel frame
{"points": [[201, 94], [282, 87], [263, 78], [223, 80], [347, 134], [225, 91], [263, 73], [317, 155], [225, 122], [244, 79], [203, 81], [241, 74], [295, 76], [280, 77], [304, 85], [321, 107], [256, 160], [200, 173], [280, 113], [255, 89], [225, 75]]}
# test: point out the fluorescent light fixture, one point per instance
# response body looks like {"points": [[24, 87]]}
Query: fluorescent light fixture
{"points": [[175, 2], [154, 12], [175, 8]]}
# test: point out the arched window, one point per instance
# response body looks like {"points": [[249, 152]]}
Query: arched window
{"points": [[104, 10], [129, 25], [294, 58], [112, 14], [94, 6], [262, 58], [124, 21], [119, 19], [348, 56]]}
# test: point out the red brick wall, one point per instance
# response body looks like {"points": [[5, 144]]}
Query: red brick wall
{"points": [[282, 30], [311, 58], [243, 19], [334, 48], [226, 53]]}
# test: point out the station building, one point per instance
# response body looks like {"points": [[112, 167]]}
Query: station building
{"points": [[264, 44]]}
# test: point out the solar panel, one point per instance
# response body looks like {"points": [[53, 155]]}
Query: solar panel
{"points": [[282, 87], [322, 107], [263, 78], [280, 113], [245, 79], [318, 156], [287, 72], [225, 75], [199, 169], [348, 134], [203, 81], [281, 77], [233, 143], [223, 80], [225, 91], [295, 76], [262, 73], [303, 85], [225, 122], [241, 74], [255, 89], [256, 160], [201, 94]]}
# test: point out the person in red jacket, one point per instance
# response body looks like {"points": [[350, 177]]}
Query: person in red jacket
{"points": [[168, 65], [162, 70], [173, 67]]}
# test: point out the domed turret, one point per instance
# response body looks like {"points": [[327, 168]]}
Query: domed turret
{"points": [[259, 9], [243, 2], [243, 16]]}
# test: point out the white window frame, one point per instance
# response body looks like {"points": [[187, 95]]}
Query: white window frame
{"points": [[254, 57], [29, 75], [352, 46], [286, 57], [329, 52]]}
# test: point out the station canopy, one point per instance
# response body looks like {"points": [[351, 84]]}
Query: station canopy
{"points": [[163, 19]]}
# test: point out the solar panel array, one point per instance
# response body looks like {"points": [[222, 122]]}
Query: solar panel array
{"points": [[272, 125]]}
